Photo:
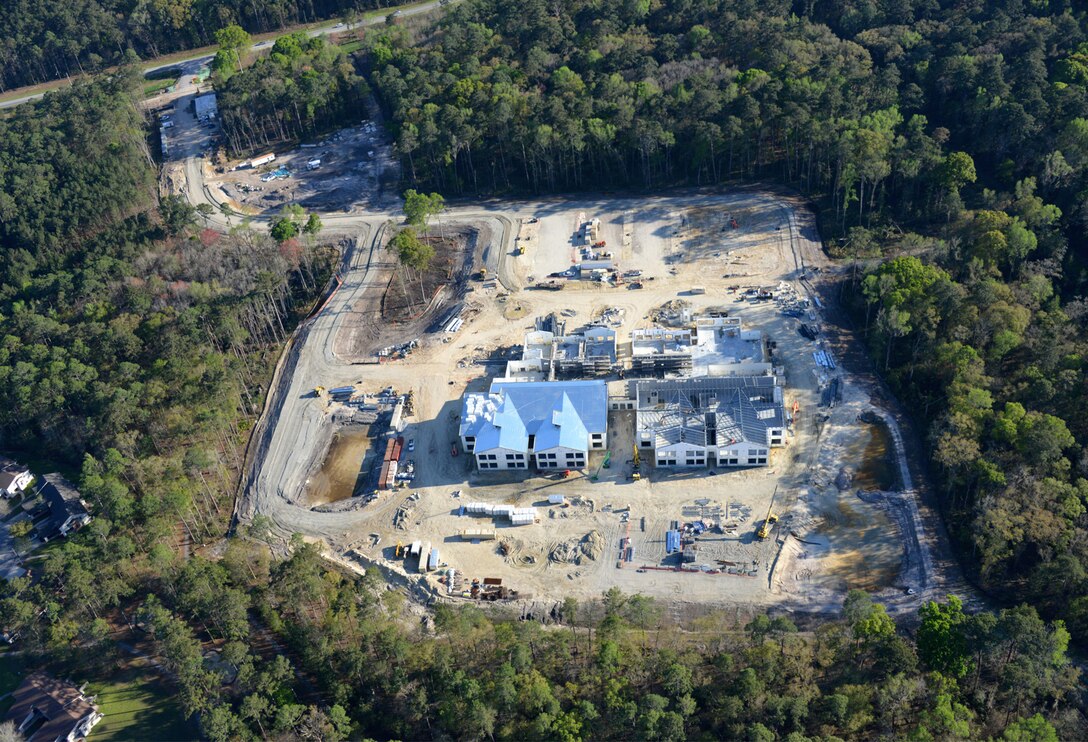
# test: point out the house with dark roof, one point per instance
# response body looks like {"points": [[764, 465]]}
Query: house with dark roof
{"points": [[67, 510], [545, 424], [710, 421], [45, 709]]}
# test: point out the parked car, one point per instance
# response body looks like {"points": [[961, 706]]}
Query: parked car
{"points": [[411, 445]]}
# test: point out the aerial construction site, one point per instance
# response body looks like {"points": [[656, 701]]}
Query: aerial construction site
{"points": [[575, 394], [632, 393]]}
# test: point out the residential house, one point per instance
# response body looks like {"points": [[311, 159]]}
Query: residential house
{"points": [[67, 510], [45, 709], [14, 478]]}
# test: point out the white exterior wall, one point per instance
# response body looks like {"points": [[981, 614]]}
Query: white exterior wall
{"points": [[683, 455], [502, 460], [680, 454], [21, 482], [776, 437], [564, 458], [598, 444]]}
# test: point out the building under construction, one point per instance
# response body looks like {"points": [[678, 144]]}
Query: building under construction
{"points": [[710, 421], [714, 346], [549, 355], [661, 352]]}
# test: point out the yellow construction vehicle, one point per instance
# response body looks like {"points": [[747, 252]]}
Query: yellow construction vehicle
{"points": [[772, 518], [636, 475], [482, 275]]}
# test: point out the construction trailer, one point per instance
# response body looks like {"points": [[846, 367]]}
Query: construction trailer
{"points": [[433, 560], [262, 160], [424, 556]]}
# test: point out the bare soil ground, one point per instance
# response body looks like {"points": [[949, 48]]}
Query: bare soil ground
{"points": [[357, 171], [841, 541], [384, 317], [407, 297]]}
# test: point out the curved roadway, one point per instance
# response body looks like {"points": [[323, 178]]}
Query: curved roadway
{"points": [[189, 65]]}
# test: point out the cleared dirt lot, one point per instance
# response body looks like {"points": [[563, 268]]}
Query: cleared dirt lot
{"points": [[356, 170], [828, 539]]}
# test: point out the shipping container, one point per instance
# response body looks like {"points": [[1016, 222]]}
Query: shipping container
{"points": [[432, 562], [556, 499], [424, 555]]}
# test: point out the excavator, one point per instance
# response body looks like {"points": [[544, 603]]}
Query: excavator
{"points": [[636, 475], [772, 518]]}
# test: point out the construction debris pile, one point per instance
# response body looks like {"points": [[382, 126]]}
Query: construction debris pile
{"points": [[403, 517], [613, 316], [397, 352], [672, 313]]}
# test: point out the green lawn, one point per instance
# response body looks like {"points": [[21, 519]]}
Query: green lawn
{"points": [[156, 87], [137, 707]]}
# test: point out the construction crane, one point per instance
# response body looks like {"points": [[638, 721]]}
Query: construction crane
{"points": [[765, 529], [636, 475]]}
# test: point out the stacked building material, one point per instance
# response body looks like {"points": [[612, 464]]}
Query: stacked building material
{"points": [[672, 542]]}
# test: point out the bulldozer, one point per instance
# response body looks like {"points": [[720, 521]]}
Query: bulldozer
{"points": [[768, 522]]}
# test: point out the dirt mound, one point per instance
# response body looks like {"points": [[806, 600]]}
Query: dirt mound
{"points": [[593, 545], [590, 546]]}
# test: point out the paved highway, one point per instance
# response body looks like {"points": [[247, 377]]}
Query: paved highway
{"points": [[189, 65]]}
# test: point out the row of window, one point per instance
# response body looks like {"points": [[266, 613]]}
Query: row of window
{"points": [[695, 461], [517, 460]]}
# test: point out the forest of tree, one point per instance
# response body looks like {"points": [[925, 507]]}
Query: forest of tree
{"points": [[303, 87], [356, 664], [950, 136], [134, 346], [947, 144], [49, 39]]}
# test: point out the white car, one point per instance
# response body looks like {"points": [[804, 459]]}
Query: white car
{"points": [[411, 445]]}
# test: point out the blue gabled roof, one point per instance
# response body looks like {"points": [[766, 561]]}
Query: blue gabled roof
{"points": [[557, 413]]}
